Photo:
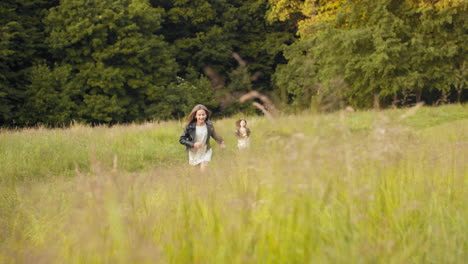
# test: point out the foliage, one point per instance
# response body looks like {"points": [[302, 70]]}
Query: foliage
{"points": [[121, 66], [47, 101], [209, 37], [382, 49], [21, 44], [123, 61]]}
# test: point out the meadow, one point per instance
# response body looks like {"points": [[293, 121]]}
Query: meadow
{"points": [[360, 187]]}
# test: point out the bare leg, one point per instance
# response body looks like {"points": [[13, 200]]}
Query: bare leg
{"points": [[203, 165]]}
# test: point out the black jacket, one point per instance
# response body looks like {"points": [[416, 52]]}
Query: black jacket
{"points": [[188, 136], [238, 134]]}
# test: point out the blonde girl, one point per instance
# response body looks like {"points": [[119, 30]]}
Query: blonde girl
{"points": [[196, 136]]}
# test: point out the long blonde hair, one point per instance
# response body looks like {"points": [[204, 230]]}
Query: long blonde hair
{"points": [[192, 114]]}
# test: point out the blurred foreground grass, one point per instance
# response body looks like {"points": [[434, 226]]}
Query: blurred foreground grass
{"points": [[362, 187]]}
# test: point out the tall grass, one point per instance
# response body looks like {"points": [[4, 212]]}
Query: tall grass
{"points": [[39, 153], [359, 187]]}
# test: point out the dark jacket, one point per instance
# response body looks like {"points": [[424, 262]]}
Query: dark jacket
{"points": [[188, 136], [238, 134]]}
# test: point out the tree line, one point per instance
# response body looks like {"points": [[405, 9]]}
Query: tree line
{"points": [[120, 61]]}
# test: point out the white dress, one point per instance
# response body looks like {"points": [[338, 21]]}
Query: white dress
{"points": [[244, 141], [200, 155]]}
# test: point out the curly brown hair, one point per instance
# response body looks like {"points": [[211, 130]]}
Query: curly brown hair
{"points": [[239, 121], [191, 116]]}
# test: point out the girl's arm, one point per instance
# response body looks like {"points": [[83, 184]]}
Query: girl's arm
{"points": [[185, 139], [215, 135]]}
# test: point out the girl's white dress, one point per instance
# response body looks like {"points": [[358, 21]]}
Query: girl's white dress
{"points": [[200, 155], [244, 141]]}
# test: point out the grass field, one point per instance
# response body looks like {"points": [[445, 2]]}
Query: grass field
{"points": [[363, 187]]}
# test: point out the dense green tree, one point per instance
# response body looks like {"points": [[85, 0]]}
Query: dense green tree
{"points": [[438, 47], [104, 61], [21, 44], [47, 101], [117, 61], [383, 50], [207, 32], [121, 67]]}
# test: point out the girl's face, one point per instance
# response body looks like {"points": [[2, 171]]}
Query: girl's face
{"points": [[242, 123], [200, 116]]}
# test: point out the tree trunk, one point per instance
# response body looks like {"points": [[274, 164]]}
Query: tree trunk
{"points": [[418, 96], [395, 100], [459, 90], [376, 101], [284, 95]]}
